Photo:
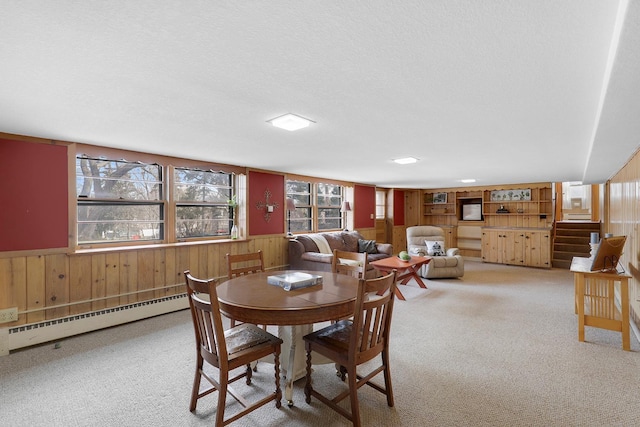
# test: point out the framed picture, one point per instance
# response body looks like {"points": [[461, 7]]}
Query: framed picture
{"points": [[439, 197]]}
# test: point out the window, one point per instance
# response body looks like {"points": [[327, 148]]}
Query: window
{"points": [[381, 204], [329, 202], [202, 203], [118, 200], [308, 216], [300, 220]]}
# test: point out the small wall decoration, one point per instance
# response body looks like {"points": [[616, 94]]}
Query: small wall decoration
{"points": [[439, 197], [509, 195], [267, 206]]}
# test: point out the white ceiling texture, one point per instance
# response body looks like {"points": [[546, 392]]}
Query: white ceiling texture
{"points": [[503, 91]]}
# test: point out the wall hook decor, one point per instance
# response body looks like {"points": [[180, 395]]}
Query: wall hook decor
{"points": [[267, 206]]}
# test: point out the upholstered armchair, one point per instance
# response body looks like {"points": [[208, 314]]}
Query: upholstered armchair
{"points": [[449, 264]]}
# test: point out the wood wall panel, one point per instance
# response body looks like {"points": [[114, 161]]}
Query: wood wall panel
{"points": [[35, 289], [170, 271], [159, 272], [145, 272], [98, 281], [49, 286], [57, 285], [623, 218], [80, 283], [112, 278]]}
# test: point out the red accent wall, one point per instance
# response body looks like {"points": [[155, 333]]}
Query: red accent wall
{"points": [[34, 185], [364, 205], [398, 207], [260, 182]]}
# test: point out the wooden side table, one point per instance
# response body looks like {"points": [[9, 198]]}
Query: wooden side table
{"points": [[595, 300]]}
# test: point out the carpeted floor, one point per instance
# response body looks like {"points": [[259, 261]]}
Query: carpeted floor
{"points": [[498, 347]]}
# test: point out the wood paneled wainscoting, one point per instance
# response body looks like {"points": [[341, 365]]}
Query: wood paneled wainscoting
{"points": [[59, 294], [622, 218]]}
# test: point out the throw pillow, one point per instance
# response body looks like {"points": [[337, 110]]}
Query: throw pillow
{"points": [[435, 248], [367, 246]]}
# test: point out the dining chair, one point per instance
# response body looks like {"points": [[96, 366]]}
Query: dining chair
{"points": [[241, 264], [350, 343], [351, 263], [226, 351]]}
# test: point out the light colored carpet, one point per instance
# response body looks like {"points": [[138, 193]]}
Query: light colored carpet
{"points": [[498, 347]]}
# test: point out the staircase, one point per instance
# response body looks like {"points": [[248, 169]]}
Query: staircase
{"points": [[572, 239]]}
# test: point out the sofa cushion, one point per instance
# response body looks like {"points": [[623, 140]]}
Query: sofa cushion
{"points": [[443, 261], [375, 257], [435, 247], [335, 241], [350, 239], [317, 257], [308, 243], [367, 246]]}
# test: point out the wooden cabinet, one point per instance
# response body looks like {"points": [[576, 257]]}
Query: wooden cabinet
{"points": [[449, 236], [537, 248], [521, 211], [503, 246], [531, 248], [439, 207], [518, 207]]}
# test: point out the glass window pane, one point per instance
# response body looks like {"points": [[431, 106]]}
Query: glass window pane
{"points": [[300, 220], [110, 179], [103, 222], [329, 218], [381, 201], [202, 186], [300, 225], [211, 216], [201, 221]]}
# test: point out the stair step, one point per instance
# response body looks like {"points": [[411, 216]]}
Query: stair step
{"points": [[564, 264], [560, 255], [574, 233], [573, 240], [585, 225], [568, 247]]}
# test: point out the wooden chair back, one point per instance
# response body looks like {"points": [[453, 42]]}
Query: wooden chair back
{"points": [[207, 320], [241, 346], [372, 318], [241, 264], [350, 343], [349, 263]]}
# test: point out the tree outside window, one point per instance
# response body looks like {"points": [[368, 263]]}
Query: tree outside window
{"points": [[118, 200]]}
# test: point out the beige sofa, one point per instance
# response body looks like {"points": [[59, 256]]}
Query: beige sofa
{"points": [[449, 265], [304, 253]]}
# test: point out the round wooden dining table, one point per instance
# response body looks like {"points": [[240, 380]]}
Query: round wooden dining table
{"points": [[251, 299]]}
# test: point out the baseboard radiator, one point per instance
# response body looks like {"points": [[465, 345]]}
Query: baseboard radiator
{"points": [[55, 329]]}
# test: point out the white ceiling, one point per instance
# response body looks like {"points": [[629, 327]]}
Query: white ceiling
{"points": [[497, 90]]}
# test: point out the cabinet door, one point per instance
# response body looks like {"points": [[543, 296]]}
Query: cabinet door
{"points": [[512, 247], [449, 237], [537, 250], [491, 246]]}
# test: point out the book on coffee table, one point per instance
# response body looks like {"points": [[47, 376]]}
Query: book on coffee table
{"points": [[294, 280]]}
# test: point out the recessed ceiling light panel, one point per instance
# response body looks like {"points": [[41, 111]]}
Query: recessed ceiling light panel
{"points": [[405, 160], [290, 122]]}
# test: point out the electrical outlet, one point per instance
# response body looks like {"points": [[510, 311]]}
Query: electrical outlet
{"points": [[9, 315]]}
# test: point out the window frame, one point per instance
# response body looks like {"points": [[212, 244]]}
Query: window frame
{"points": [[315, 206], [167, 164], [86, 201], [381, 206], [174, 204]]}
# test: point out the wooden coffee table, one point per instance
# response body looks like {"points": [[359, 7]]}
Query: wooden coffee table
{"points": [[406, 270]]}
